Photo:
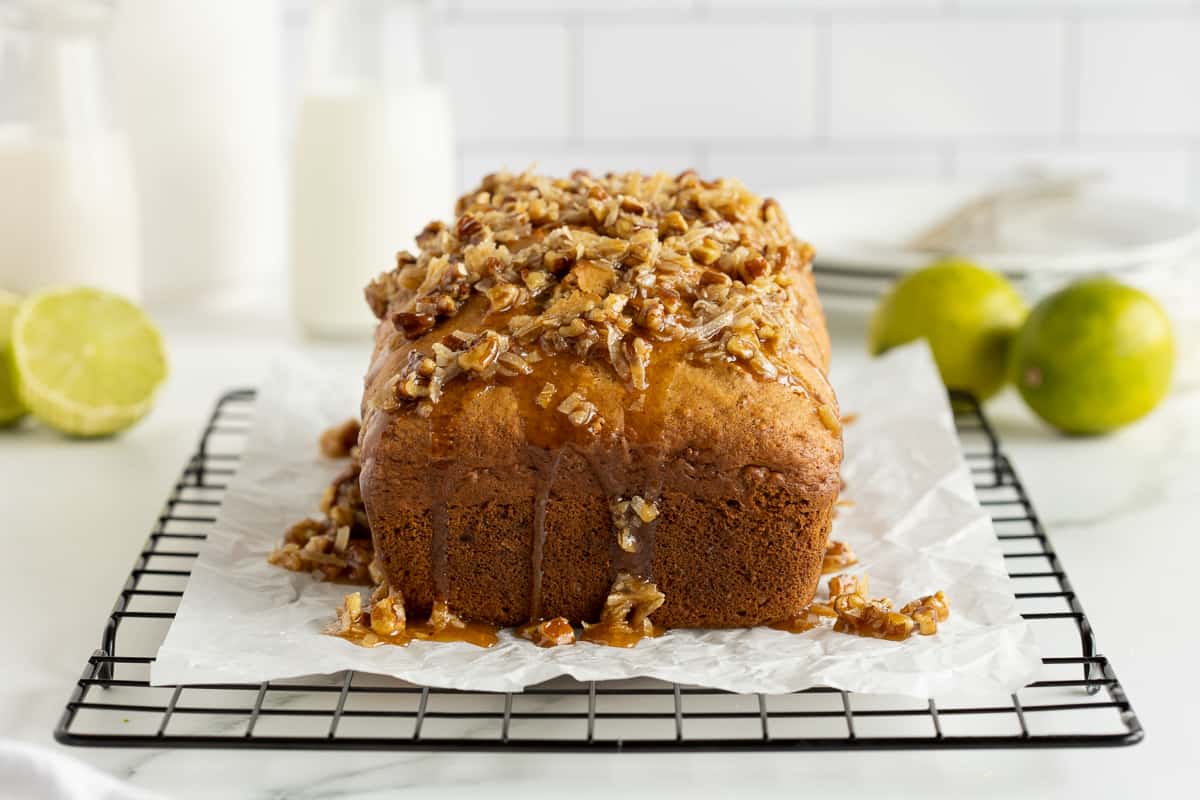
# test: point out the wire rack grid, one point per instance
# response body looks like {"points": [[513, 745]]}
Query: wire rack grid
{"points": [[1077, 700]]}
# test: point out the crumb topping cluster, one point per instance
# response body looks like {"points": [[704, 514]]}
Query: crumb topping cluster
{"points": [[611, 268]]}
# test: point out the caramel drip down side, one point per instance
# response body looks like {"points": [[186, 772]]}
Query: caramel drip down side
{"points": [[441, 454], [646, 427], [439, 518], [547, 469]]}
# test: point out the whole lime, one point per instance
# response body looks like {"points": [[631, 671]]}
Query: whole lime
{"points": [[1094, 356], [967, 314]]}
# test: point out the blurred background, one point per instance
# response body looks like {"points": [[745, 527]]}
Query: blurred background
{"points": [[259, 145]]}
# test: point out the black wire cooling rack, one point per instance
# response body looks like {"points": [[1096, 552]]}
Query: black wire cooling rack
{"points": [[1076, 702]]}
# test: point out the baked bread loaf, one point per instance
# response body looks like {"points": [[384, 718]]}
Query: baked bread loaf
{"points": [[589, 379]]}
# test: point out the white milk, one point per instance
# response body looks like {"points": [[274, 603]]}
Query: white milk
{"points": [[370, 168], [68, 212], [199, 88]]}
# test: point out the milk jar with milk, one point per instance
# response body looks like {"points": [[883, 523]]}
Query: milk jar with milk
{"points": [[372, 160], [68, 212]]}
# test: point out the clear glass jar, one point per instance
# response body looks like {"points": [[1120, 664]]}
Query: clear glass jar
{"points": [[68, 210], [372, 159]]}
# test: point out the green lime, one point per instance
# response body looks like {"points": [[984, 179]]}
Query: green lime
{"points": [[11, 407], [1094, 356], [966, 313], [90, 362]]}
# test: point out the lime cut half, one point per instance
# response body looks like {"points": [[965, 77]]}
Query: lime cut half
{"points": [[11, 406], [90, 362]]}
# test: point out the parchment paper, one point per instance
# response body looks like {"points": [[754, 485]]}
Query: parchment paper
{"points": [[916, 526]]}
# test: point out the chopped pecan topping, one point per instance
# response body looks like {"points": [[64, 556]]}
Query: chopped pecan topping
{"points": [[626, 615], [873, 618], [350, 613], [858, 614], [412, 324], [646, 510], [838, 556], [338, 546], [928, 611], [339, 440], [548, 633], [387, 614], [849, 584], [830, 418], [578, 409], [630, 515], [484, 352], [441, 617], [606, 268]]}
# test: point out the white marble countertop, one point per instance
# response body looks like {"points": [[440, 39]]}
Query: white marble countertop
{"points": [[1122, 512]]}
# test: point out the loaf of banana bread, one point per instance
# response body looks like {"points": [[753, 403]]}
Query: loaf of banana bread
{"points": [[589, 379]]}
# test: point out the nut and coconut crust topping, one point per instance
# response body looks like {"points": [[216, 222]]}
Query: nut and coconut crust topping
{"points": [[611, 269]]}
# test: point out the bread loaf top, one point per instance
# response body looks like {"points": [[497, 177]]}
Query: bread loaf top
{"points": [[627, 274]]}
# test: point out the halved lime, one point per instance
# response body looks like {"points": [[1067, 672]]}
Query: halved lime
{"points": [[11, 407], [90, 362]]}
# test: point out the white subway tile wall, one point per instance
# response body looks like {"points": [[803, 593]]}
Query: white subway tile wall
{"points": [[945, 79], [1139, 77], [509, 80], [688, 81], [788, 92]]}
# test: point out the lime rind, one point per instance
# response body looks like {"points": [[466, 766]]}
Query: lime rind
{"points": [[969, 316], [12, 409], [1094, 357], [56, 335]]}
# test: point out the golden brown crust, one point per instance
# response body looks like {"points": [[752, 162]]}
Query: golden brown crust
{"points": [[504, 497]]}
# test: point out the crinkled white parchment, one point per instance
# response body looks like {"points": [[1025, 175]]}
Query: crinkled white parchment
{"points": [[915, 524]]}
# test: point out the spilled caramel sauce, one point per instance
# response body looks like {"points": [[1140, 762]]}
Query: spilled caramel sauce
{"points": [[891, 634], [476, 633], [618, 634], [440, 627], [797, 624], [806, 620]]}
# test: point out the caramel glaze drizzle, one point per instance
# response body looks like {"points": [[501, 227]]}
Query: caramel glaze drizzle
{"points": [[549, 433], [610, 457], [439, 485], [547, 470], [375, 423]]}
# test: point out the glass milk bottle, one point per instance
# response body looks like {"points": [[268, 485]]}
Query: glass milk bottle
{"points": [[372, 160], [68, 213]]}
